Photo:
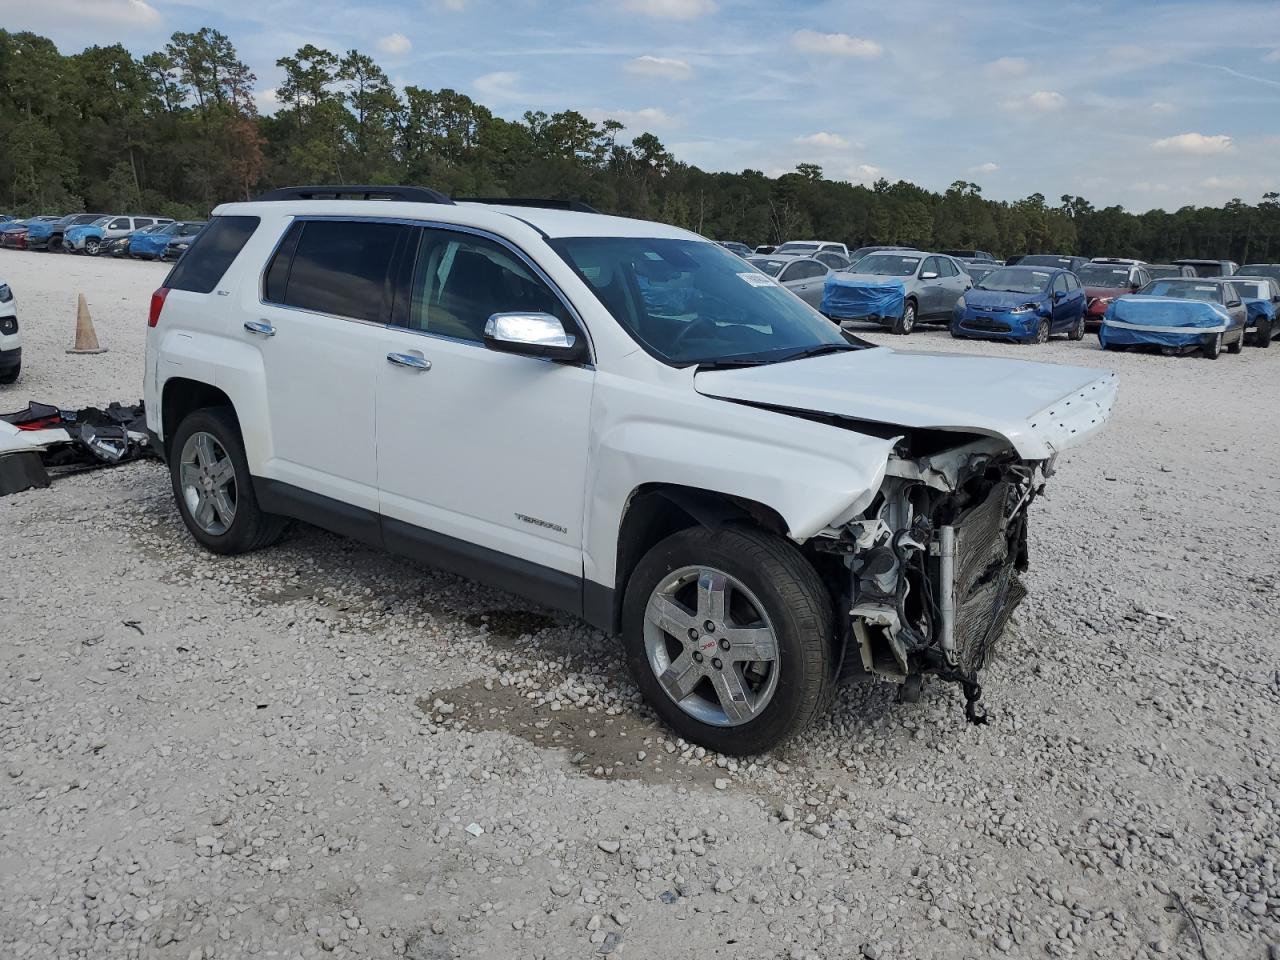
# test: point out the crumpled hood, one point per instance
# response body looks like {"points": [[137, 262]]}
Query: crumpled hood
{"points": [[1040, 408], [999, 299]]}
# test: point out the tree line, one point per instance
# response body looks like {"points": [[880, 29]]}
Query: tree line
{"points": [[178, 131]]}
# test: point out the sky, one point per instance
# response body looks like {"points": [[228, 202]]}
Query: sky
{"points": [[1141, 103]]}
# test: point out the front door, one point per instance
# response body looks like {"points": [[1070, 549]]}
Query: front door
{"points": [[482, 456]]}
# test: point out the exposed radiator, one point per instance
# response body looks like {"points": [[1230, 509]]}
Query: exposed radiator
{"points": [[987, 586]]}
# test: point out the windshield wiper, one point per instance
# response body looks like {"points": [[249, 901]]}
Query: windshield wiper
{"points": [[730, 363], [817, 350]]}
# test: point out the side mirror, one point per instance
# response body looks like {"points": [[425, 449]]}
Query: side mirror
{"points": [[929, 275], [532, 335], [1058, 295], [1235, 303]]}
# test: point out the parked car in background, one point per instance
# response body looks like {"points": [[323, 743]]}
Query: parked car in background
{"points": [[119, 246], [1261, 296], [749, 497], [977, 271], [1129, 260], [1103, 282], [1176, 314], [733, 246], [1271, 270], [832, 259], [89, 237], [10, 338], [47, 235], [864, 251], [803, 276], [807, 248], [1210, 268], [14, 233], [154, 244], [896, 289], [970, 255], [765, 248], [182, 237], [1160, 271], [1025, 304], [1060, 260]]}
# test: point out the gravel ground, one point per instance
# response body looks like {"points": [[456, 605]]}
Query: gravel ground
{"points": [[320, 751]]}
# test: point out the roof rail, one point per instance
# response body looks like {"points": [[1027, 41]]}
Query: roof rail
{"points": [[367, 191], [577, 206]]}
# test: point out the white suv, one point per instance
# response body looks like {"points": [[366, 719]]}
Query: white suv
{"points": [[615, 418], [10, 338]]}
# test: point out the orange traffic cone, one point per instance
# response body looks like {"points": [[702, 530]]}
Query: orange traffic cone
{"points": [[86, 336]]}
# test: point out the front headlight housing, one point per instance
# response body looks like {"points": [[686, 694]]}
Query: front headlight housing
{"points": [[1025, 308], [6, 294], [960, 304]]}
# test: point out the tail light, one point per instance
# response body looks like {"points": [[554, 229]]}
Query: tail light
{"points": [[157, 304]]}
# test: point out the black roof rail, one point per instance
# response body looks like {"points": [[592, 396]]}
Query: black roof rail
{"points": [[365, 191], [577, 206]]}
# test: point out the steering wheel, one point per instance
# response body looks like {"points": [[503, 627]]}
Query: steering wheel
{"points": [[701, 320]]}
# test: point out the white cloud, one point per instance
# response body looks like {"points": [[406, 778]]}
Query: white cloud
{"points": [[1195, 143], [135, 13], [827, 141], [456, 6], [1272, 57], [1162, 106], [396, 44], [864, 173], [835, 44], [646, 118], [1007, 67], [664, 68], [500, 85], [671, 9], [1226, 183], [266, 100], [987, 167], [1042, 101]]}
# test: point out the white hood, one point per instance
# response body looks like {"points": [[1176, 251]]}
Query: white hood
{"points": [[1040, 408]]}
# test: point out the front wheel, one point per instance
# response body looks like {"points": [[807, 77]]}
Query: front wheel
{"points": [[93, 246], [1213, 346], [904, 324], [1237, 345], [1042, 332], [728, 635], [213, 487], [12, 375]]}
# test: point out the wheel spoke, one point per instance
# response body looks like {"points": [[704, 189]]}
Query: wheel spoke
{"points": [[681, 676], [223, 506], [713, 596], [222, 472], [750, 643], [669, 616], [190, 474], [203, 514], [735, 699], [205, 452]]}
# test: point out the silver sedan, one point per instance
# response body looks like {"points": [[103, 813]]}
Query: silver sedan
{"points": [[803, 276]]}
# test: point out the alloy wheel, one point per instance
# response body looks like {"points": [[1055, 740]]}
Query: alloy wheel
{"points": [[208, 481], [711, 646]]}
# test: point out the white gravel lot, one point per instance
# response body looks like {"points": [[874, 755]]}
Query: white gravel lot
{"points": [[319, 750]]}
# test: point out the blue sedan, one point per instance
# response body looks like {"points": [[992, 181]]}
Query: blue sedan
{"points": [[1025, 304], [155, 245]]}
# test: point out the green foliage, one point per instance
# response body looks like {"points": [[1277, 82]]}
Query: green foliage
{"points": [[177, 132]]}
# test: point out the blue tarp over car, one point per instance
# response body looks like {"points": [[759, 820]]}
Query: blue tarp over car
{"points": [[1259, 310], [847, 298], [1161, 321]]}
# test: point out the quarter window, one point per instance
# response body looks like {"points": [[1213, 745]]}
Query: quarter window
{"points": [[336, 267], [211, 253], [461, 280]]}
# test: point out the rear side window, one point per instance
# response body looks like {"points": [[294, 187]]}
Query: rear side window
{"points": [[211, 254], [337, 267]]}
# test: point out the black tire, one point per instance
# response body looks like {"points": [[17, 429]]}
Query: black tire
{"points": [[1263, 336], [1115, 347], [1042, 332], [1077, 331], [904, 324], [252, 528], [11, 376], [92, 246], [1238, 345], [1213, 347], [797, 604]]}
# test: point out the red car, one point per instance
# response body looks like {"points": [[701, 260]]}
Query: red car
{"points": [[14, 233], [1103, 282]]}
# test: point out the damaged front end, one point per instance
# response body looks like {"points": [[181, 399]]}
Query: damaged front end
{"points": [[932, 566]]}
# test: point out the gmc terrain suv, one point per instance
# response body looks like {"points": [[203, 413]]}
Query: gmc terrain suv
{"points": [[616, 418]]}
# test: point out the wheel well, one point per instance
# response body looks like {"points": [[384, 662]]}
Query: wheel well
{"points": [[655, 511], [182, 397]]}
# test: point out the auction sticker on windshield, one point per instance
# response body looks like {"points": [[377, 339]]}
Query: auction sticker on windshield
{"points": [[757, 279]]}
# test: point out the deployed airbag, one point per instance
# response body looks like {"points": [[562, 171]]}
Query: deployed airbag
{"points": [[847, 298]]}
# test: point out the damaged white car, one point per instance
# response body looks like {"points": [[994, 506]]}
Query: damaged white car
{"points": [[615, 418]]}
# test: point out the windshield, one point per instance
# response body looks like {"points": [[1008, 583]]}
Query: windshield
{"points": [[771, 267], [796, 247], [1261, 270], [977, 272], [1045, 260], [1251, 288], [1183, 290], [188, 229], [689, 301], [169, 229], [887, 265], [1101, 275], [1013, 280], [1158, 273]]}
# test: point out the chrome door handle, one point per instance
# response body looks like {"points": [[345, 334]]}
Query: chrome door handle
{"points": [[409, 360], [260, 327]]}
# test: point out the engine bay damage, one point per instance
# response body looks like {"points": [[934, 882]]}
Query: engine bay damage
{"points": [[932, 565]]}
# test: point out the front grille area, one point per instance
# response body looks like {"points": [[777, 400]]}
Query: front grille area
{"points": [[987, 324], [987, 586]]}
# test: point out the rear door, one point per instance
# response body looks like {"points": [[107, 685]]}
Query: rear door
{"points": [[482, 456], [325, 301], [931, 289]]}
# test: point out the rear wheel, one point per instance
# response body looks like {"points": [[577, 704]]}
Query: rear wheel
{"points": [[213, 487], [728, 635], [904, 324], [1213, 346], [1077, 331]]}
